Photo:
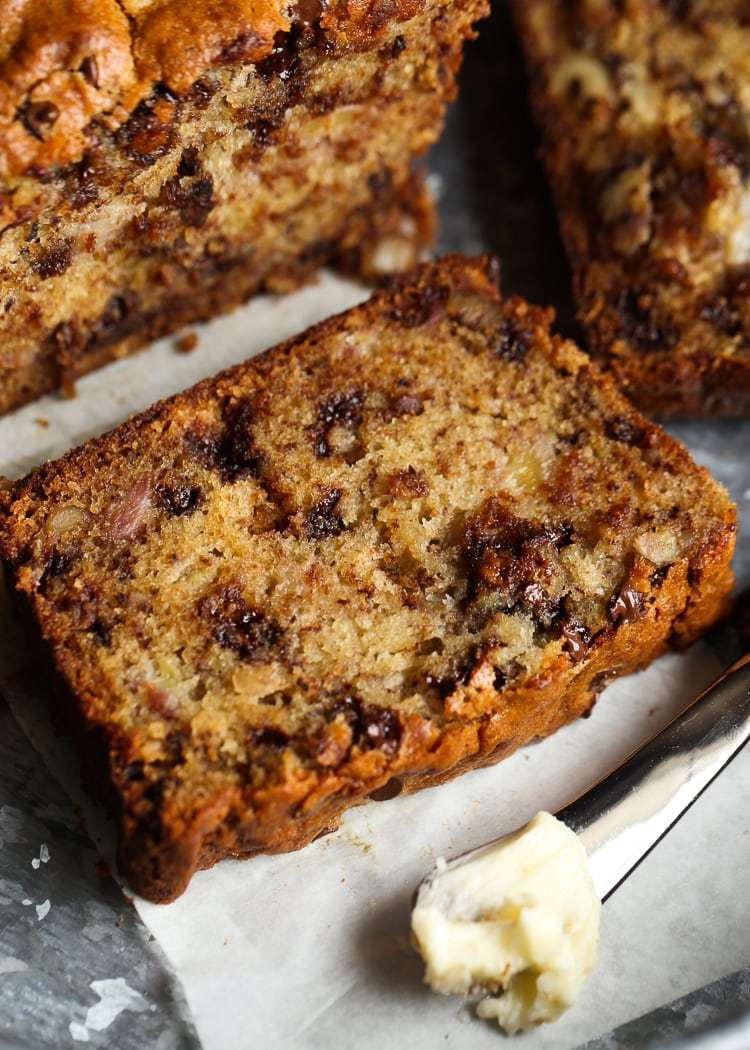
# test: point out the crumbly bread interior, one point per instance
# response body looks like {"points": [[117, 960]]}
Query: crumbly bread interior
{"points": [[404, 517], [645, 109]]}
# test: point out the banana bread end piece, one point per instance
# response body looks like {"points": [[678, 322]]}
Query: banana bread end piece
{"points": [[394, 548], [643, 109]]}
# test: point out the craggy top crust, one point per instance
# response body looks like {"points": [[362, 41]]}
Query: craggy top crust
{"points": [[67, 63]]}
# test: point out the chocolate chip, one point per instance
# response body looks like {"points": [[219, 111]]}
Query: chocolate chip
{"points": [[621, 429], [118, 319], [638, 325], [149, 132], [133, 771], [413, 307], [190, 163], [283, 62], [513, 559], [512, 342], [382, 729], [202, 92], [371, 726], [90, 70], [64, 344], [576, 638], [238, 626], [723, 314], [678, 9], [179, 499], [309, 11], [535, 600], [458, 673], [342, 409], [53, 260], [322, 521], [81, 186], [58, 563], [625, 606], [500, 680], [100, 632], [193, 201], [391, 789], [407, 405], [395, 48], [442, 684], [241, 48], [380, 183], [39, 117], [659, 575], [164, 91], [271, 737], [264, 132], [231, 452]]}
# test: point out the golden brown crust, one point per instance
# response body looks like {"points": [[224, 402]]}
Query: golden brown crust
{"points": [[429, 590], [643, 108], [67, 63]]}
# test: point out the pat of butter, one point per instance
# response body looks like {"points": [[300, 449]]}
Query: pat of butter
{"points": [[520, 918]]}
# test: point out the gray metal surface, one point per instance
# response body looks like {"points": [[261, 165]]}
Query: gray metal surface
{"points": [[492, 198], [65, 924]]}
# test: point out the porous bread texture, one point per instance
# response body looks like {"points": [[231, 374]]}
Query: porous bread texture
{"points": [[400, 545], [254, 178], [644, 110]]}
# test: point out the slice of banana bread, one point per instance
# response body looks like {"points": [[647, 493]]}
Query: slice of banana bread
{"points": [[400, 545], [644, 110], [160, 162]]}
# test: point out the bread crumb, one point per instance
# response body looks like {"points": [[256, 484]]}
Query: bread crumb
{"points": [[186, 343], [41, 422]]}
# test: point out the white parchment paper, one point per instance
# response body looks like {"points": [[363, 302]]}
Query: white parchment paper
{"points": [[311, 949]]}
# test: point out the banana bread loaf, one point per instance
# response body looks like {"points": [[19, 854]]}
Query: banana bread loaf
{"points": [[394, 548], [644, 110], [160, 162]]}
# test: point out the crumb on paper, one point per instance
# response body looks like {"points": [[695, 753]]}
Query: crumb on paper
{"points": [[358, 843], [186, 343], [79, 1032], [43, 909], [41, 422]]}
